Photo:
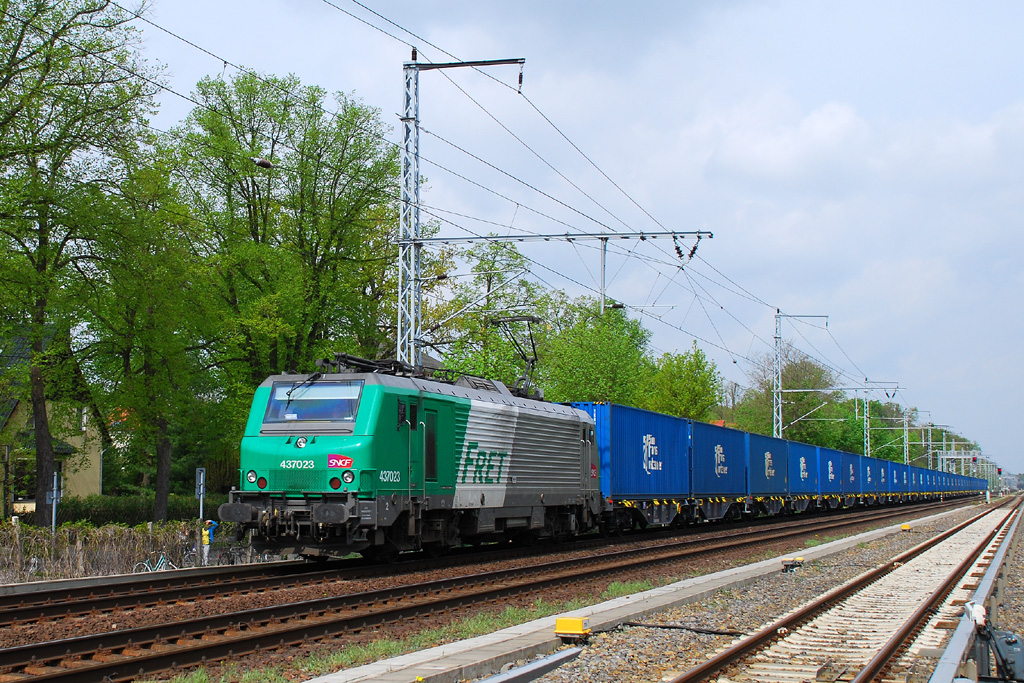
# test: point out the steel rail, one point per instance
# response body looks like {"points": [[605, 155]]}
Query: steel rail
{"points": [[200, 583], [768, 634], [878, 663], [191, 642]]}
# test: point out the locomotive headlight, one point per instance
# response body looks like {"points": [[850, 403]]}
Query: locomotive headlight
{"points": [[300, 442], [250, 476], [348, 477]]}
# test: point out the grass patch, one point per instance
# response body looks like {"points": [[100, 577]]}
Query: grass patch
{"points": [[812, 542], [617, 589], [324, 662]]}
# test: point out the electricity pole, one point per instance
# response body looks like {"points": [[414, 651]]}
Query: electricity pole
{"points": [[410, 240], [777, 381], [409, 285]]}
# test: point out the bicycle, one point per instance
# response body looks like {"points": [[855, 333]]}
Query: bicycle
{"points": [[234, 554], [147, 565], [188, 555]]}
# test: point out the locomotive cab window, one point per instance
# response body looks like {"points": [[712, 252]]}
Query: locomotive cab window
{"points": [[331, 402]]}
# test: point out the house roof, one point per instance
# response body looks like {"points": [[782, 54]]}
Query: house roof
{"points": [[15, 351], [7, 407]]}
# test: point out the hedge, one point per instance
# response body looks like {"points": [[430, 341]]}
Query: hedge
{"points": [[29, 553], [131, 510]]}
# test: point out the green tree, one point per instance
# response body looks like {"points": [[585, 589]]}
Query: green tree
{"points": [[75, 92], [808, 415], [489, 332], [596, 357], [150, 320], [684, 384], [302, 252]]}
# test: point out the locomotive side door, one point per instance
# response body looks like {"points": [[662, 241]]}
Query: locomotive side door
{"points": [[438, 448], [417, 434]]}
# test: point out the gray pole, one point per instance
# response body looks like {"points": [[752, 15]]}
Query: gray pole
{"points": [[409, 243], [777, 379], [867, 426], [906, 439], [409, 221], [929, 445], [604, 257]]}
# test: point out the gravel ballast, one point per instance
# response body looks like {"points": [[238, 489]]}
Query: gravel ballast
{"points": [[648, 653]]}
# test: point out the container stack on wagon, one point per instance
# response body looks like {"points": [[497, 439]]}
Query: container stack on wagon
{"points": [[663, 470]]}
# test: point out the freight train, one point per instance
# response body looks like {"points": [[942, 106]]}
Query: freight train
{"points": [[365, 457]]}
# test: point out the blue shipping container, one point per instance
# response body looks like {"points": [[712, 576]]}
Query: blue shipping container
{"points": [[830, 472], [644, 455], [882, 478], [768, 466], [900, 477], [870, 475], [852, 474], [803, 469], [718, 457]]}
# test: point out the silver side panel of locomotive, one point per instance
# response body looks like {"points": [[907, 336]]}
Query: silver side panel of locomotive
{"points": [[518, 455]]}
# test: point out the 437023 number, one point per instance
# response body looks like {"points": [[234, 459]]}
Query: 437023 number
{"points": [[297, 464]]}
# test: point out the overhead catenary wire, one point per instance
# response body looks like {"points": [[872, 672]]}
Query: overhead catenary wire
{"points": [[440, 166], [533, 105], [213, 110], [575, 147], [224, 61]]}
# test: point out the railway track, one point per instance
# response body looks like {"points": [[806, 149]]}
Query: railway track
{"points": [[68, 599], [126, 654], [857, 632]]}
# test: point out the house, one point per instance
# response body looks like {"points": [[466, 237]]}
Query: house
{"points": [[76, 441]]}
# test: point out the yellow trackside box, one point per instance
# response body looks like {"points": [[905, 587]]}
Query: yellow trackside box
{"points": [[572, 627]]}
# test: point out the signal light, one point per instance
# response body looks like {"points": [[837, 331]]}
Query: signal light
{"points": [[335, 483], [261, 482], [1000, 470]]}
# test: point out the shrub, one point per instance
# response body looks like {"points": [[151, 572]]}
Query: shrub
{"points": [[132, 510]]}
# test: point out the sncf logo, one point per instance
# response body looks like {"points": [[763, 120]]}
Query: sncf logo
{"points": [[335, 460]]}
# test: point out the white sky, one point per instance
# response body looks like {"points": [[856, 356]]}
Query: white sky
{"points": [[855, 159]]}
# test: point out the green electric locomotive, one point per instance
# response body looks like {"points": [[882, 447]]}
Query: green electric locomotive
{"points": [[376, 461]]}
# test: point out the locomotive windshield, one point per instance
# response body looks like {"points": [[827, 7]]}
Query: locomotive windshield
{"points": [[320, 402]]}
